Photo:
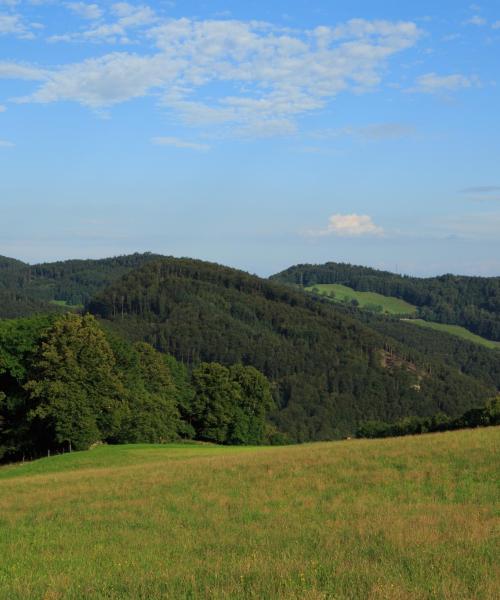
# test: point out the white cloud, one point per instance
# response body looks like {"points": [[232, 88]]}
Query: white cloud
{"points": [[178, 143], [127, 17], [102, 82], [10, 70], [91, 12], [349, 226], [12, 24], [432, 83], [2, 108], [496, 25], [275, 75], [6, 144], [476, 20]]}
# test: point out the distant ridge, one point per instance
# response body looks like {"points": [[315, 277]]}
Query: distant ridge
{"points": [[470, 301], [25, 288]]}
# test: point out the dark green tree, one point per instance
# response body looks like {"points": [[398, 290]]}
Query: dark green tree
{"points": [[79, 397], [153, 414], [254, 402], [216, 395]]}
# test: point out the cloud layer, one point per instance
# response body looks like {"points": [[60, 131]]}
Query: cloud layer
{"points": [[260, 78]]}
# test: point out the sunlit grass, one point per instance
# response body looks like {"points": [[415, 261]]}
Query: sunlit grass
{"points": [[456, 330], [342, 293], [413, 517]]}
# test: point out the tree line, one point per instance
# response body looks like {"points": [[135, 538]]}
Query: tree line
{"points": [[66, 384], [484, 416]]}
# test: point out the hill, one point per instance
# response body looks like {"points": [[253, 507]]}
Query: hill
{"points": [[398, 518], [330, 371], [471, 302], [27, 289]]}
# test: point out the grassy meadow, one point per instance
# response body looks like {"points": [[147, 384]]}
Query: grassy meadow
{"points": [[342, 293], [411, 518], [456, 330]]}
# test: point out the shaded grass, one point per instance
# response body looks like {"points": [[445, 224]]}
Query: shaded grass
{"points": [[65, 304], [457, 331], [413, 517], [389, 304]]}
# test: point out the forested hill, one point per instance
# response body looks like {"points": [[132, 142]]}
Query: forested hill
{"points": [[26, 289], [330, 372], [473, 302]]}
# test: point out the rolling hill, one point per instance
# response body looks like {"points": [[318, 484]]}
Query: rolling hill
{"points": [[332, 365], [330, 371], [471, 302]]}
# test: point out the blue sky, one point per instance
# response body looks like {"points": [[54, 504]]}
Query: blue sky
{"points": [[255, 134]]}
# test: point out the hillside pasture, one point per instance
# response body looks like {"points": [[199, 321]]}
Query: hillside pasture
{"points": [[457, 331], [411, 518], [368, 300]]}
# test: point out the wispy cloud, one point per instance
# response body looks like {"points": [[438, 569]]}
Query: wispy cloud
{"points": [[276, 75], [13, 24], [126, 17], [178, 143], [483, 193], [6, 144], [352, 225], [476, 20], [432, 83], [374, 132], [11, 70], [85, 10], [471, 226], [481, 189]]}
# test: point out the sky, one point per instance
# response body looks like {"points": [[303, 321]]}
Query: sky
{"points": [[255, 134]]}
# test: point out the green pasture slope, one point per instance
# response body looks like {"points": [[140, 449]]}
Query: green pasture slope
{"points": [[411, 518], [456, 330], [389, 304], [395, 306]]}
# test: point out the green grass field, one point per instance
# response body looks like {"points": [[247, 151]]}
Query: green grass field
{"points": [[64, 304], [457, 331], [389, 304], [411, 518]]}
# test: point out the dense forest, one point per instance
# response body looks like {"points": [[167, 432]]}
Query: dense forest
{"points": [[331, 372], [473, 302], [67, 384], [28, 289]]}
